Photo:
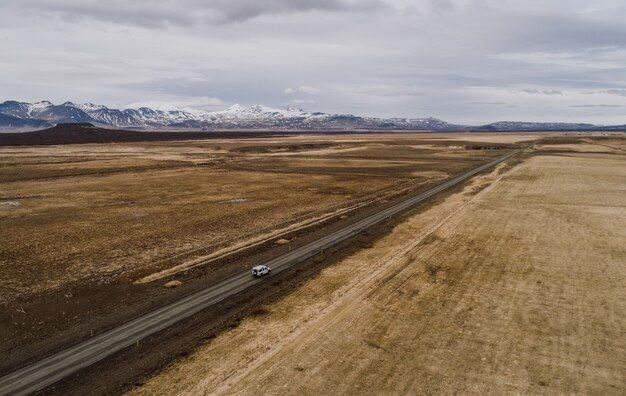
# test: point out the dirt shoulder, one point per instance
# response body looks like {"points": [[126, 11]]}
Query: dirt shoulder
{"points": [[515, 285]]}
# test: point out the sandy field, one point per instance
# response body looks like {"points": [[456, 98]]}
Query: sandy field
{"points": [[516, 285]]}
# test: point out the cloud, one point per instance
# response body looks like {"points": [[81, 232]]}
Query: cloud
{"points": [[242, 10], [300, 101], [549, 92], [489, 103], [151, 14], [465, 61], [442, 6], [306, 89], [620, 92], [596, 105], [392, 90], [179, 103]]}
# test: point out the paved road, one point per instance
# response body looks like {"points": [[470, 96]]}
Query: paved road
{"points": [[65, 363]]}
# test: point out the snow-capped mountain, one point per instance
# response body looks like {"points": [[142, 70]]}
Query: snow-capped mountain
{"points": [[256, 112], [259, 116], [235, 116], [24, 110], [10, 122], [535, 126], [22, 115]]}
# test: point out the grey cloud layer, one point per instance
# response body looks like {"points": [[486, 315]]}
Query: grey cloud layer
{"points": [[152, 13], [472, 61]]}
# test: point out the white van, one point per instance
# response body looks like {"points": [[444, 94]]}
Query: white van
{"points": [[260, 271]]}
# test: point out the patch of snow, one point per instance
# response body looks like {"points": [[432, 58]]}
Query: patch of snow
{"points": [[34, 109], [256, 112], [238, 200], [87, 107]]}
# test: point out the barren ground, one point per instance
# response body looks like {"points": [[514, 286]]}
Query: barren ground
{"points": [[75, 213], [516, 285], [90, 233]]}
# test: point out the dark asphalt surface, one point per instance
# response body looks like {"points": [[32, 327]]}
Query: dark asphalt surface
{"points": [[65, 363]]}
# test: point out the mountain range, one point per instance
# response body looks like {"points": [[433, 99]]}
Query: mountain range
{"points": [[16, 115]]}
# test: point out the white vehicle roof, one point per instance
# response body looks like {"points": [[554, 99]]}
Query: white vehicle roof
{"points": [[258, 267]]}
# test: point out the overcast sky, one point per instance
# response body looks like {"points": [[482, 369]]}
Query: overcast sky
{"points": [[465, 61]]}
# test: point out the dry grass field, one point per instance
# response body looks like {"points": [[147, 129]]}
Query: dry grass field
{"points": [[91, 233], [516, 285], [102, 213]]}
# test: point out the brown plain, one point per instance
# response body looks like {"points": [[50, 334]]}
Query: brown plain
{"points": [[517, 285], [99, 213]]}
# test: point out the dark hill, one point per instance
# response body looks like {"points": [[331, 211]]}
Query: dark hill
{"points": [[79, 133]]}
